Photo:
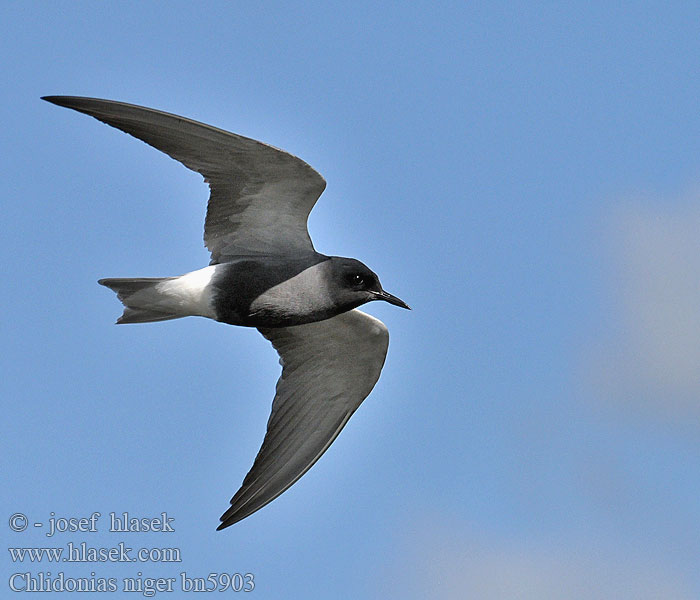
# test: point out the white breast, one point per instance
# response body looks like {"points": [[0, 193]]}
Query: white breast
{"points": [[303, 295]]}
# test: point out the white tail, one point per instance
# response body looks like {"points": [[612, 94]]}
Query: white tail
{"points": [[148, 299]]}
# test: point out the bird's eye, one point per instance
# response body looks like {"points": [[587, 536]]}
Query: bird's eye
{"points": [[357, 280]]}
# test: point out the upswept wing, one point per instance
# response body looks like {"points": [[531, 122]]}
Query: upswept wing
{"points": [[260, 196], [328, 369]]}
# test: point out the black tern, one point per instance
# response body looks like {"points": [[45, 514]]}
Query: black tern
{"points": [[265, 273]]}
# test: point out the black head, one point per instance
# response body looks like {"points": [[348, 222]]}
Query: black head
{"points": [[356, 284]]}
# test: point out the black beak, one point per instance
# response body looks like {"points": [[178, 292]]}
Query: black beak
{"points": [[391, 299]]}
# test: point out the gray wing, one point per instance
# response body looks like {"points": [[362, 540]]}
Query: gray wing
{"points": [[328, 369], [260, 196]]}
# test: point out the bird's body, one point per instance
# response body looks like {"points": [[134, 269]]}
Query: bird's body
{"points": [[261, 293], [251, 291], [264, 273]]}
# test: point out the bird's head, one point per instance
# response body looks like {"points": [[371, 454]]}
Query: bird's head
{"points": [[354, 284]]}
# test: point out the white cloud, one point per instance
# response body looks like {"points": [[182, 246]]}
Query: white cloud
{"points": [[649, 357], [454, 563]]}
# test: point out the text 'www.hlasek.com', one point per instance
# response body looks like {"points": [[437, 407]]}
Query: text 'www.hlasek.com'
{"points": [[63, 568]]}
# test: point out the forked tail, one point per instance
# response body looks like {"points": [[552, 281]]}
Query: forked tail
{"points": [[143, 301]]}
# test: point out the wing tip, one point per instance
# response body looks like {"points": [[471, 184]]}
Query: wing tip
{"points": [[79, 103], [230, 518], [58, 100]]}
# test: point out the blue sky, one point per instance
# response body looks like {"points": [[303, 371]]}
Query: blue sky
{"points": [[527, 179]]}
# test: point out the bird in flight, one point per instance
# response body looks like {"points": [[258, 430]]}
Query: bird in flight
{"points": [[265, 273]]}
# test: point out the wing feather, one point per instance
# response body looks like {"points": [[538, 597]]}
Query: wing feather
{"points": [[260, 196], [328, 369]]}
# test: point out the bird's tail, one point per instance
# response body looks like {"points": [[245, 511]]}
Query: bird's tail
{"points": [[143, 301]]}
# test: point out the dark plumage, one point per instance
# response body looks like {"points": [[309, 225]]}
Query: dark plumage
{"points": [[264, 273]]}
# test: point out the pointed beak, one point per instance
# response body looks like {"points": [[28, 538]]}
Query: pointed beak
{"points": [[391, 299]]}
